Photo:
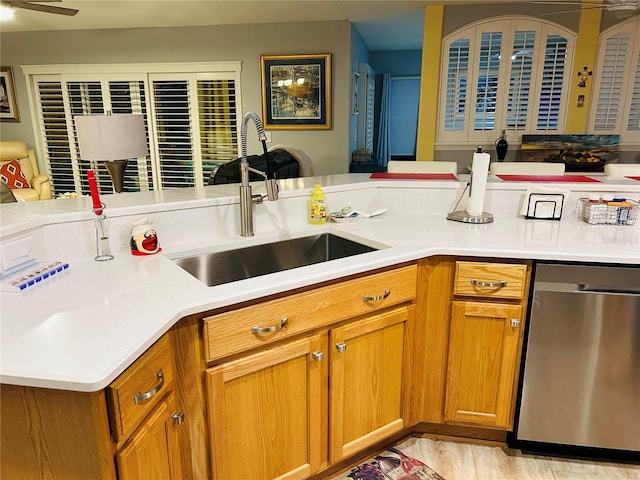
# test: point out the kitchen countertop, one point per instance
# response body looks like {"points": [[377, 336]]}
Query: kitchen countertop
{"points": [[81, 328]]}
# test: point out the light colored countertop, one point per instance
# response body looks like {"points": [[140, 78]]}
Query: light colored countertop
{"points": [[80, 329]]}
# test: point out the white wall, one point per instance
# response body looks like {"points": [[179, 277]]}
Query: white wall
{"points": [[328, 149]]}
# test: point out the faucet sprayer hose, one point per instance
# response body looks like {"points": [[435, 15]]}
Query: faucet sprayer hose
{"points": [[268, 170], [261, 136]]}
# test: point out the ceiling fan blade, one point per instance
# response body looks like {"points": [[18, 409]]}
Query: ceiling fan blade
{"points": [[44, 8], [596, 2], [572, 11]]}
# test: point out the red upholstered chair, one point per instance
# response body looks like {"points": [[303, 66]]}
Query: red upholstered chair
{"points": [[17, 164]]}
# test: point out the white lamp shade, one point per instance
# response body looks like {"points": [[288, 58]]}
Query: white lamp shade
{"points": [[111, 137]]}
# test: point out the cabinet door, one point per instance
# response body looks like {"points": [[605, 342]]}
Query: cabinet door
{"points": [[267, 413], [367, 365], [483, 355], [152, 451]]}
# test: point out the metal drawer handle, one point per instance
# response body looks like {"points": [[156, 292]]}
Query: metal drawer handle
{"points": [[257, 329], [480, 283], [341, 347], [141, 397], [369, 298]]}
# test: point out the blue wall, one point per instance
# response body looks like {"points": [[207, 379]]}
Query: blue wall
{"points": [[396, 62]]}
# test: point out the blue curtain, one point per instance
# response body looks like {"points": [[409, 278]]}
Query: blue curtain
{"points": [[382, 148]]}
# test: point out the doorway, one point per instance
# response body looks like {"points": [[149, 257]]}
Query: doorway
{"points": [[403, 116]]}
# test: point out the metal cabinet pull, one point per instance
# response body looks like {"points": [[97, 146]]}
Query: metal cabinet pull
{"points": [[480, 283], [515, 323], [369, 298], [141, 397], [257, 329], [341, 347], [177, 418], [318, 355]]}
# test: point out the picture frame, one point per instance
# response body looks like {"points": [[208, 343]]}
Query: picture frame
{"points": [[8, 100], [296, 91]]}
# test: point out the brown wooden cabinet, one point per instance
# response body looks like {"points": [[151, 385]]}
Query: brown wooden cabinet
{"points": [[144, 417], [280, 395], [267, 412], [312, 399], [485, 334], [484, 340], [293, 384], [152, 451], [367, 389], [471, 313], [76, 435]]}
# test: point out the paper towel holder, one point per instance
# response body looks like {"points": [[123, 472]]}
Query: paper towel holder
{"points": [[464, 216]]}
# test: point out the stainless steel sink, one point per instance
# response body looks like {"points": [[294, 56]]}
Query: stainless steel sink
{"points": [[232, 265]]}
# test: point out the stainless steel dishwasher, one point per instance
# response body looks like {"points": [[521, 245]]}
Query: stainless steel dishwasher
{"points": [[581, 383]]}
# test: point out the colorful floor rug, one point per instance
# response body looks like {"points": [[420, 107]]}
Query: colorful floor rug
{"points": [[392, 464]]}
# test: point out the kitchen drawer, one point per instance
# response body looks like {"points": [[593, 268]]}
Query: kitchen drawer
{"points": [[257, 325], [490, 280], [139, 388]]}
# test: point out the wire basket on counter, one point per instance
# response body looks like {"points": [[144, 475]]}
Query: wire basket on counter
{"points": [[608, 213]]}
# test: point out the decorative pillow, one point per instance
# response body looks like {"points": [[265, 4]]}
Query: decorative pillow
{"points": [[12, 175]]}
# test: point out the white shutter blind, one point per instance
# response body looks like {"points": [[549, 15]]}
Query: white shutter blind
{"points": [[218, 123], [611, 78], [366, 106], [487, 84], [615, 108], [633, 125], [456, 85], [53, 124], [370, 99], [520, 79], [517, 69], [555, 58], [129, 96], [98, 97], [191, 120], [173, 119]]}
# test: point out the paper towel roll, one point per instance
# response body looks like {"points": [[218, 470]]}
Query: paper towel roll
{"points": [[479, 172]]}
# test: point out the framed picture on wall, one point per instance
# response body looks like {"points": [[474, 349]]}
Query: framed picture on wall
{"points": [[8, 100], [296, 91]]}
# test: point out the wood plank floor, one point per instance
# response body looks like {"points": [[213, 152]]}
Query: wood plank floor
{"points": [[464, 461]]}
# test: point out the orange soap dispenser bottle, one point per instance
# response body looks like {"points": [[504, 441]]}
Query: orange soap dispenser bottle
{"points": [[317, 206]]}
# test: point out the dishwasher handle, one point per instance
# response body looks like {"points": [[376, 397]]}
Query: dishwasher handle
{"points": [[608, 289], [584, 288]]}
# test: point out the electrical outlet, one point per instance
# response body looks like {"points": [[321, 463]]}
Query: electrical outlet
{"points": [[268, 135]]}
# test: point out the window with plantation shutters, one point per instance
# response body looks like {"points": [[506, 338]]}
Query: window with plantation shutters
{"points": [[633, 125], [506, 74], [615, 108], [520, 79], [366, 106], [190, 110], [487, 84], [456, 85]]}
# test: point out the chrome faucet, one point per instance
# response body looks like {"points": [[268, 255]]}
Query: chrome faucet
{"points": [[246, 198]]}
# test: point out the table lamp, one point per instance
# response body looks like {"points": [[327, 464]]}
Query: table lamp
{"points": [[113, 139]]}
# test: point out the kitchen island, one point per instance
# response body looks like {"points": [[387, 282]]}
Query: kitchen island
{"points": [[80, 330]]}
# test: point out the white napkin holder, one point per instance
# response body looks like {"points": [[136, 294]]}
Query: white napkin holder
{"points": [[542, 203]]}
